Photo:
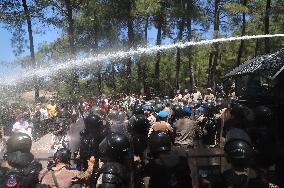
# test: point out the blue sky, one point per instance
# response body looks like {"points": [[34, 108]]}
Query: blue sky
{"points": [[5, 41], [6, 50], [51, 34]]}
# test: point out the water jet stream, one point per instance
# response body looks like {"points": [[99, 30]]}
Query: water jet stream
{"points": [[118, 55]]}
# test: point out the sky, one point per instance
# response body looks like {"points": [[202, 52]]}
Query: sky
{"points": [[50, 35], [6, 50]]}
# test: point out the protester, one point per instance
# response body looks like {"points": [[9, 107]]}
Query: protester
{"points": [[22, 126]]}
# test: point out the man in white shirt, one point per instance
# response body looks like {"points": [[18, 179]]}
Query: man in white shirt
{"points": [[43, 113], [195, 94], [22, 126]]}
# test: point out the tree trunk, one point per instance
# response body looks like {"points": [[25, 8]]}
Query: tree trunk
{"points": [[158, 60], [74, 77], [70, 28], [215, 51], [266, 26], [241, 48], [240, 52], [100, 83], [144, 62], [130, 35], [189, 36], [113, 73], [34, 65], [210, 68], [256, 47], [178, 56]]}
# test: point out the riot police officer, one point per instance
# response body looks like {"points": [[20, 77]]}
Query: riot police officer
{"points": [[177, 113], [114, 147], [94, 132], [114, 158], [166, 168], [263, 136], [242, 117], [139, 130], [209, 126], [240, 154], [19, 168], [118, 121], [113, 175]]}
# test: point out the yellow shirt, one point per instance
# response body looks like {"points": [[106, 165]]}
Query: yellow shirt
{"points": [[51, 110]]}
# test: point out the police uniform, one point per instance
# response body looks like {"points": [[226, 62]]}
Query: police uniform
{"points": [[209, 97], [161, 126], [186, 130], [195, 96]]}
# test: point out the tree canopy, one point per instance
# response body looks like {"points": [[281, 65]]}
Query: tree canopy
{"points": [[99, 26]]}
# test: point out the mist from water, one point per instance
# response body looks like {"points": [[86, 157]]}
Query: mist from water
{"points": [[93, 60]]}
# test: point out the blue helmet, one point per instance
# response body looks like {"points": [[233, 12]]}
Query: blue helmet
{"points": [[200, 109], [163, 114], [148, 107], [186, 110]]}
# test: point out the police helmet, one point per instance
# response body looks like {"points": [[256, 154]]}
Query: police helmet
{"points": [[209, 124], [177, 111], [238, 148], [139, 143], [263, 114], [97, 111], [186, 110], [159, 141], [113, 115], [114, 175], [141, 124], [199, 110], [138, 109], [157, 109], [19, 142], [148, 108], [242, 112], [114, 145], [121, 116], [219, 101], [210, 109], [63, 155], [158, 101], [163, 114], [92, 122], [238, 110]]}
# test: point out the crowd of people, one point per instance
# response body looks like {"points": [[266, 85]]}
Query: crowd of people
{"points": [[135, 141]]}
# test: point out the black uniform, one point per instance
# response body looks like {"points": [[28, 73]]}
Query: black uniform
{"points": [[169, 169], [22, 170], [239, 152], [231, 179], [209, 129], [114, 151], [94, 132]]}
